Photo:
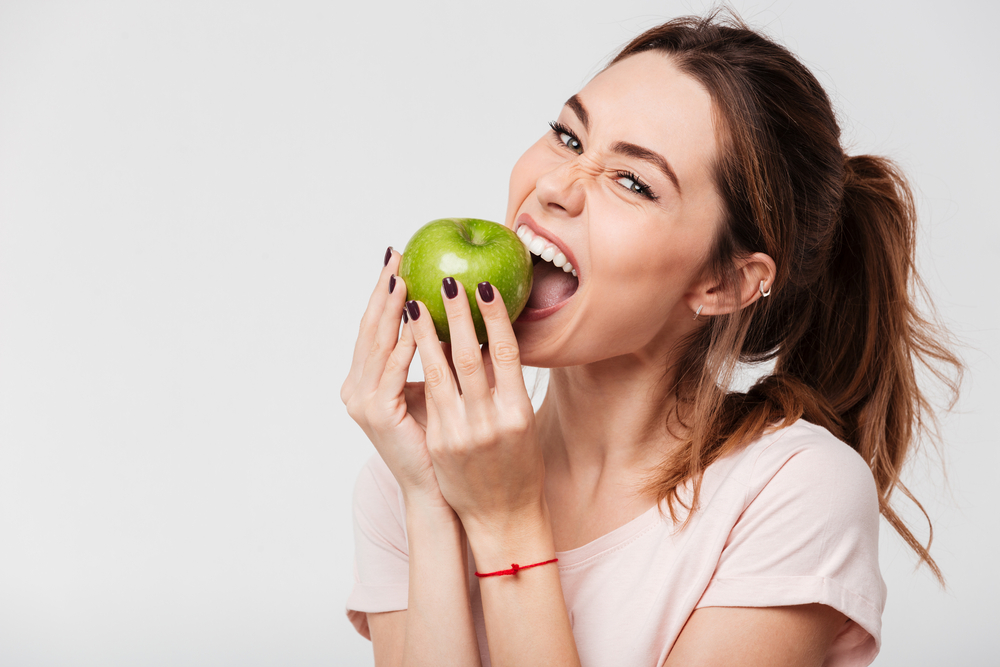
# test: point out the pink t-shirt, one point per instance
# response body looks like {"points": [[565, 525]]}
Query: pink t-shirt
{"points": [[791, 519]]}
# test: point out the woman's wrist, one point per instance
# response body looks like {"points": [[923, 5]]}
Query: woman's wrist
{"points": [[523, 538], [428, 502], [525, 613]]}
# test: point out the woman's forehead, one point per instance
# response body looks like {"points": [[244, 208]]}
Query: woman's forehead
{"points": [[647, 100], [649, 86]]}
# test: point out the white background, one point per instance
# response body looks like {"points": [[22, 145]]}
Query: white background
{"points": [[195, 199]]}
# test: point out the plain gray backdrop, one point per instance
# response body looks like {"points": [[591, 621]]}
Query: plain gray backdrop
{"points": [[195, 198]]}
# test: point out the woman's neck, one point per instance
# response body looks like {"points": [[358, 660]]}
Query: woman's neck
{"points": [[607, 420]]}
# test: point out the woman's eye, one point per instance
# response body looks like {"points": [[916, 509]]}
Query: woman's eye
{"points": [[572, 142], [566, 138], [631, 182]]}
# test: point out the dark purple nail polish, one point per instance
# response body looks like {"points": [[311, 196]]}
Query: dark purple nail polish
{"points": [[405, 318], [392, 283], [413, 309], [450, 287], [388, 256], [486, 292]]}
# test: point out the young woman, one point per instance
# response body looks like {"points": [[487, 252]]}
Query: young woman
{"points": [[698, 187]]}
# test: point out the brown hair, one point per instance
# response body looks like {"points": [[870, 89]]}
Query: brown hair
{"points": [[842, 323]]}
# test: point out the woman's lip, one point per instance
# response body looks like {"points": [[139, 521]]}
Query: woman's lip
{"points": [[531, 314], [527, 220]]}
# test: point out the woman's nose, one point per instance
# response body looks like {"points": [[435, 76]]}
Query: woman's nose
{"points": [[561, 190]]}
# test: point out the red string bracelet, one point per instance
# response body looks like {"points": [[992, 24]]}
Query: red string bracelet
{"points": [[514, 569]]}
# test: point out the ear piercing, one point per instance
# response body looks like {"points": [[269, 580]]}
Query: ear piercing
{"points": [[698, 312]]}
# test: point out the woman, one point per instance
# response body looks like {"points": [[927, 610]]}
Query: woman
{"points": [[698, 188]]}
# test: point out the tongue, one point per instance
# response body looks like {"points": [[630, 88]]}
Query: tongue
{"points": [[551, 285]]}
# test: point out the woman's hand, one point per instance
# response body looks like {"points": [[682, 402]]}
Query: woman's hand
{"points": [[390, 410], [480, 429], [482, 440]]}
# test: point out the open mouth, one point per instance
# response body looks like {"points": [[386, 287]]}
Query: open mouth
{"points": [[555, 280]]}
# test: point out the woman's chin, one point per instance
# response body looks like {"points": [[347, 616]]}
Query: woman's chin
{"points": [[532, 332], [541, 324]]}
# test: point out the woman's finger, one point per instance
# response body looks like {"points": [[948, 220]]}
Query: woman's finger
{"points": [[465, 351], [446, 349], [392, 382], [370, 321], [488, 365], [385, 339], [440, 388], [413, 392], [504, 352]]}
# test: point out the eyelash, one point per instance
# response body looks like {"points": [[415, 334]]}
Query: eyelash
{"points": [[643, 190], [559, 129]]}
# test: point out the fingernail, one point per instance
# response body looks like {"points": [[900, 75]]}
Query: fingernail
{"points": [[405, 318], [450, 287], [413, 309], [486, 292], [392, 283], [388, 256]]}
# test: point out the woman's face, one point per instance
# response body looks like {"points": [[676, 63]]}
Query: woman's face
{"points": [[622, 186]]}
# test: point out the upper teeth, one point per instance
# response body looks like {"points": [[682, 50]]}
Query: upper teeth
{"points": [[544, 248]]}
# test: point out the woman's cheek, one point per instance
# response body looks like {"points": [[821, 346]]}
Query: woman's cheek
{"points": [[534, 163]]}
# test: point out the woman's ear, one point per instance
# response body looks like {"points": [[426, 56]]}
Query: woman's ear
{"points": [[755, 274]]}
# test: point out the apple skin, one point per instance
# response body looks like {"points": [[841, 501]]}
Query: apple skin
{"points": [[471, 251]]}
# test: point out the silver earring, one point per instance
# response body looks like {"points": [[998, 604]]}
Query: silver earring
{"points": [[698, 312], [762, 292]]}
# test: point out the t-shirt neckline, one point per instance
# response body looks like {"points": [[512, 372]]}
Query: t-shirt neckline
{"points": [[617, 538]]}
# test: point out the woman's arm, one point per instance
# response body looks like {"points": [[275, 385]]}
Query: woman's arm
{"points": [[436, 628], [796, 636], [438, 622], [526, 618], [482, 441], [388, 635]]}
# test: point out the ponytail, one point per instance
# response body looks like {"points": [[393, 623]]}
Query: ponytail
{"points": [[843, 324], [861, 351]]}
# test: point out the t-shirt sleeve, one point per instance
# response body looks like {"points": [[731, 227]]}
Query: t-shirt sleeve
{"points": [[381, 560], [808, 534]]}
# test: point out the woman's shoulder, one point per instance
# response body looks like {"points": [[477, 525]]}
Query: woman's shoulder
{"points": [[807, 444], [800, 460], [806, 461], [805, 529]]}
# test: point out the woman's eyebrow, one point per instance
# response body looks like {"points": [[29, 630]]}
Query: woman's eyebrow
{"points": [[576, 105], [640, 153], [624, 147]]}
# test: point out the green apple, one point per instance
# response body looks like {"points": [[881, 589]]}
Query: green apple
{"points": [[471, 251]]}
